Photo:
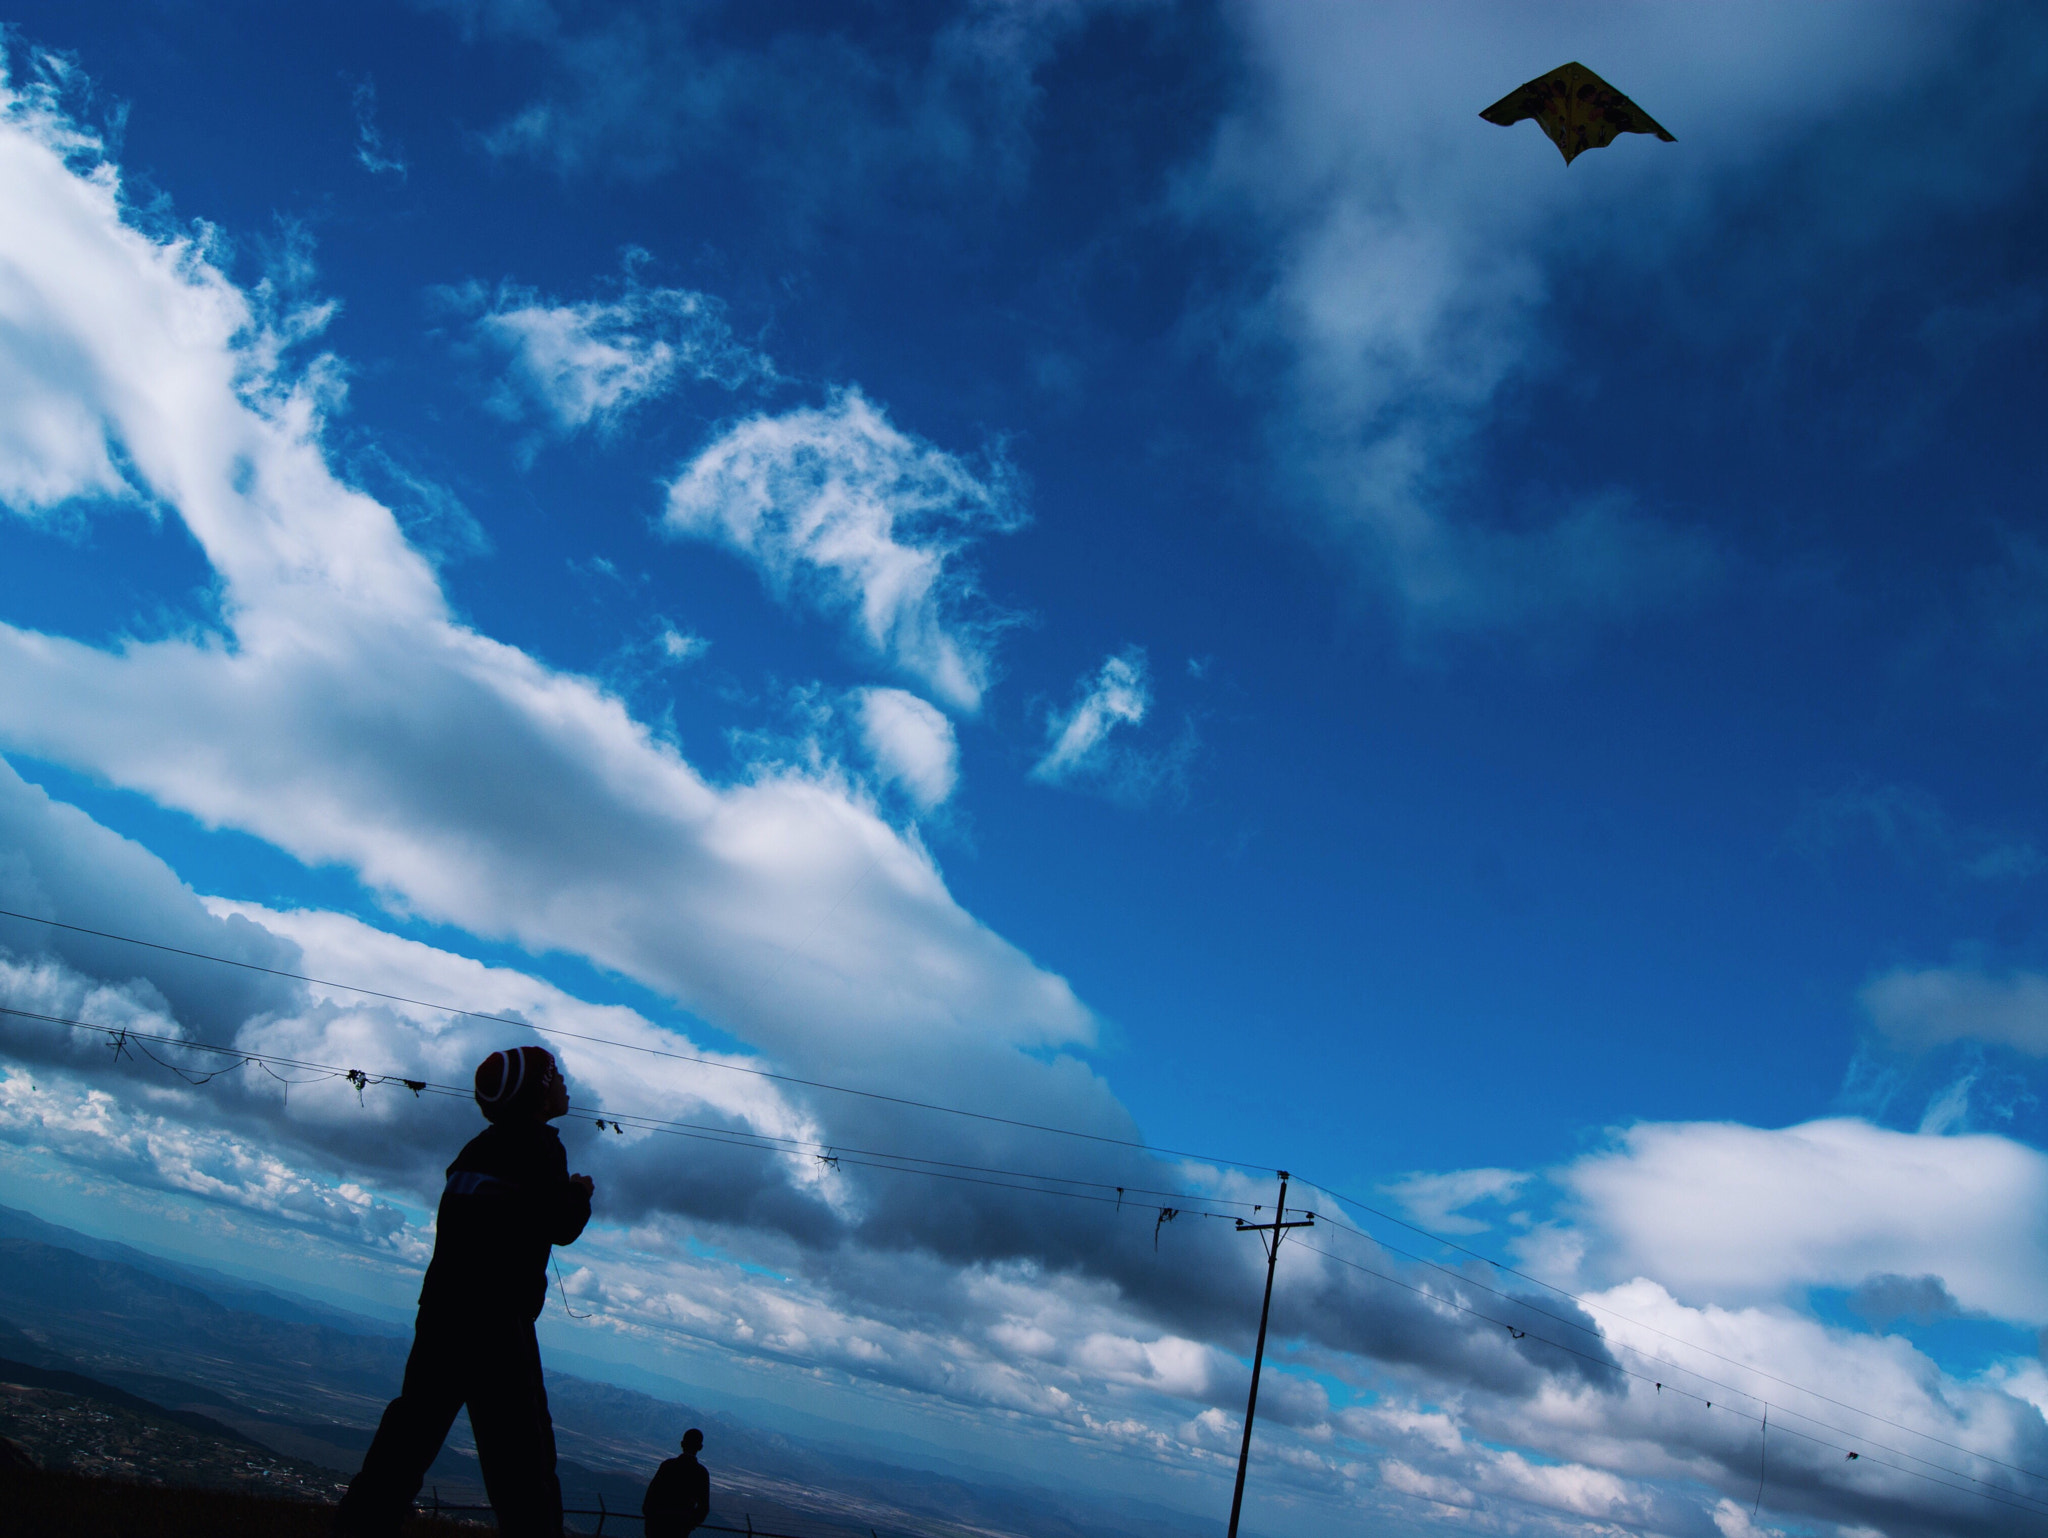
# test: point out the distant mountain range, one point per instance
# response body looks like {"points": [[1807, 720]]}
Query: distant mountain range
{"points": [[208, 1356]]}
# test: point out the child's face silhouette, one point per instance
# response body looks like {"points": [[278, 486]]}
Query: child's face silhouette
{"points": [[554, 1096]]}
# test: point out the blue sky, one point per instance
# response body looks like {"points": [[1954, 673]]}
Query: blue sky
{"points": [[1128, 565]]}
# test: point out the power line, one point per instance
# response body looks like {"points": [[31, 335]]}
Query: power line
{"points": [[735, 1137], [763, 1073], [121, 1036], [2037, 1509], [1613, 1344], [1679, 1340], [832, 1153], [632, 1046]]}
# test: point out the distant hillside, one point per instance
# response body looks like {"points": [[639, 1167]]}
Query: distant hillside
{"points": [[64, 1422], [305, 1384], [47, 1505], [225, 1290]]}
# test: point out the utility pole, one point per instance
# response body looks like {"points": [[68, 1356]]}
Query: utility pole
{"points": [[1277, 1228]]}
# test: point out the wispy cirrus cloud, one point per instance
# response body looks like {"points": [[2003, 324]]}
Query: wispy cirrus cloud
{"points": [[373, 154], [342, 712], [631, 90], [1118, 694], [1913, 827], [1412, 264], [591, 363], [1438, 1201], [1082, 750], [1921, 1007], [841, 510], [343, 660]]}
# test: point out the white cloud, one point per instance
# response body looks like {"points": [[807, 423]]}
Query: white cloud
{"points": [[1914, 828], [346, 717], [1415, 252], [826, 118], [435, 519], [372, 154], [1722, 1212], [1731, 1521], [95, 1130], [592, 362], [1437, 1201], [910, 742], [1930, 1006], [680, 646], [1119, 694], [839, 508], [1080, 751], [1036, 1346]]}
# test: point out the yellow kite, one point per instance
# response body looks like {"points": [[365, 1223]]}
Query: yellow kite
{"points": [[1578, 109]]}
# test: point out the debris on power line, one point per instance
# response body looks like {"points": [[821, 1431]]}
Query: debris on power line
{"points": [[121, 1039]]}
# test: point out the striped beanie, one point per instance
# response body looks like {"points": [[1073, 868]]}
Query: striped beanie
{"points": [[510, 1082]]}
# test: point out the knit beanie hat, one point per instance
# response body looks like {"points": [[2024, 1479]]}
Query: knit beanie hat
{"points": [[510, 1082]]}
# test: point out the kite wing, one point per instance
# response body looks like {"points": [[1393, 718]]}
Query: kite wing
{"points": [[1578, 109]]}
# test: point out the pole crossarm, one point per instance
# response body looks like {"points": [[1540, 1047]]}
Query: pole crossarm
{"points": [[1278, 1229]]}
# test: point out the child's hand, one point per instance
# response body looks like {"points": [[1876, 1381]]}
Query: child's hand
{"points": [[583, 1183]]}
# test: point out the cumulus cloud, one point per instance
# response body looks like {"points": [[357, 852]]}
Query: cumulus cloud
{"points": [[98, 1132], [1052, 1304], [343, 714], [910, 742], [1413, 257], [1881, 1299], [1062, 1320], [1726, 1213], [1925, 1007], [840, 509], [346, 717], [591, 362]]}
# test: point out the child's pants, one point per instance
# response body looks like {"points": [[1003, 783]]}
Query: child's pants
{"points": [[493, 1366]]}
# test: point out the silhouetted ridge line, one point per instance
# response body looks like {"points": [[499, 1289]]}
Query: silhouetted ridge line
{"points": [[631, 1046]]}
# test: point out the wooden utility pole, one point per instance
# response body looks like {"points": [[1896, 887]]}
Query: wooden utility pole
{"points": [[1277, 1228]]}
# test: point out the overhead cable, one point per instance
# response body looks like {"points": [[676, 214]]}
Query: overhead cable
{"points": [[1680, 1340], [1613, 1345], [122, 1036], [737, 1137], [632, 1046], [2023, 1502]]}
